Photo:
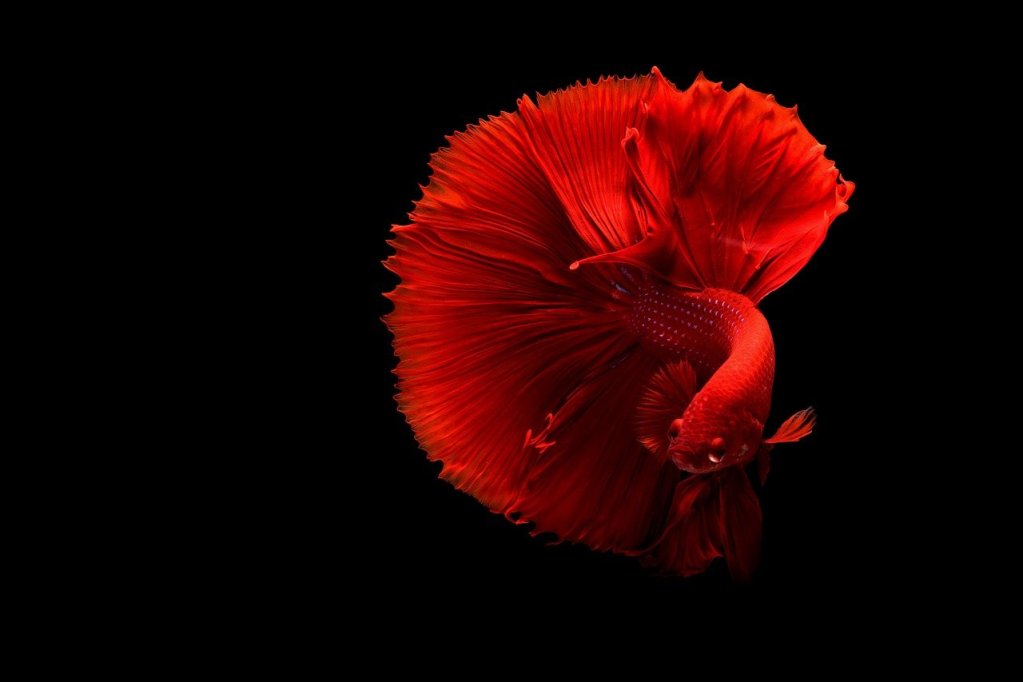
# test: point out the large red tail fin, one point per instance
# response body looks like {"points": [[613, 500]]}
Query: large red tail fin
{"points": [[733, 191]]}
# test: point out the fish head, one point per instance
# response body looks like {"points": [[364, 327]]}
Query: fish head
{"points": [[703, 441]]}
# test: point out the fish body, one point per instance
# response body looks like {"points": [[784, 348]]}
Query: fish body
{"points": [[577, 326], [727, 342]]}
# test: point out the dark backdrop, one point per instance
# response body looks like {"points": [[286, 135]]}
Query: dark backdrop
{"points": [[841, 520]]}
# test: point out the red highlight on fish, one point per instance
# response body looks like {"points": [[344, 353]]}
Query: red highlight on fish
{"points": [[577, 326]]}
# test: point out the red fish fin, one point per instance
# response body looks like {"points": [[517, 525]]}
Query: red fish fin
{"points": [[667, 395], [734, 192], [661, 250], [795, 427], [575, 136], [688, 543], [711, 516], [792, 429], [513, 369], [588, 479], [740, 523]]}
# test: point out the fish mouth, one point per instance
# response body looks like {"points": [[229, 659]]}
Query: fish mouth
{"points": [[698, 460], [688, 459]]}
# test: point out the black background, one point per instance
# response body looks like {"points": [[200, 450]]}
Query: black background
{"points": [[844, 513]]}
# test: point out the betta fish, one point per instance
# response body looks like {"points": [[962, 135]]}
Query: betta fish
{"points": [[576, 321]]}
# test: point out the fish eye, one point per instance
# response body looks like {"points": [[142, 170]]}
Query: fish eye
{"points": [[675, 429], [717, 450]]}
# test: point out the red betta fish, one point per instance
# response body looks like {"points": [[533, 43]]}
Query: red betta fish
{"points": [[577, 321]]}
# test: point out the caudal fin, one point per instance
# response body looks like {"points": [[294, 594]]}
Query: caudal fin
{"points": [[733, 191]]}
